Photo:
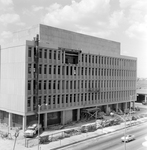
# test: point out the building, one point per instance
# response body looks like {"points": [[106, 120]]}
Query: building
{"points": [[76, 72], [141, 95]]}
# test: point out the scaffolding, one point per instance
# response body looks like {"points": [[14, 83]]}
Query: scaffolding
{"points": [[89, 113]]}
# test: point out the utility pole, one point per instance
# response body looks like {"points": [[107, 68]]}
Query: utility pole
{"points": [[36, 66]]}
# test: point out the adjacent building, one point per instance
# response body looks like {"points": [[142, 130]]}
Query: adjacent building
{"points": [[76, 72]]}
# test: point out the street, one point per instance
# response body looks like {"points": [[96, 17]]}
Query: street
{"points": [[113, 141]]}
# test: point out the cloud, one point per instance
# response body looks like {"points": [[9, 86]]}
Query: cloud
{"points": [[6, 34], [136, 15], [9, 18], [86, 16], [6, 2], [37, 8], [116, 18]]}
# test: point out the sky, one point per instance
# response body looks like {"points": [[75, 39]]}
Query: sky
{"points": [[124, 21]]}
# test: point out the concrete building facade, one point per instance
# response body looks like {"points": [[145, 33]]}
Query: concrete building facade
{"points": [[75, 72]]}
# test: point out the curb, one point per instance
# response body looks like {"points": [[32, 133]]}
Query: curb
{"points": [[66, 145]]}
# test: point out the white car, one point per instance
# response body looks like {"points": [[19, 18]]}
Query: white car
{"points": [[31, 130], [128, 138]]}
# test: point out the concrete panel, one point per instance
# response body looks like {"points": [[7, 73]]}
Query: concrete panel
{"points": [[12, 81], [86, 43], [68, 116]]}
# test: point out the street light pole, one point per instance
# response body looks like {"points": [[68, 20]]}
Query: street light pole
{"points": [[38, 124], [112, 114], [39, 106]]}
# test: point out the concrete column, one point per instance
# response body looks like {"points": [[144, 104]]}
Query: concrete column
{"points": [[124, 106], [24, 123], [10, 120], [106, 109], [96, 113], [133, 105], [63, 117], [116, 108], [45, 120], [78, 114]]}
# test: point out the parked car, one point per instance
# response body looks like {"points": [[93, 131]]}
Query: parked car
{"points": [[137, 108], [128, 138], [144, 103], [132, 112], [32, 130]]}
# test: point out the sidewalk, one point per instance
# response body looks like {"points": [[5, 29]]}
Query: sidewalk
{"points": [[8, 144]]}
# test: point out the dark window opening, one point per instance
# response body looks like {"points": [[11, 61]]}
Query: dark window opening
{"points": [[71, 58]]}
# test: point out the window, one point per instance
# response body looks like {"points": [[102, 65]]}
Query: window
{"points": [[62, 98], [45, 69], [58, 99], [85, 96], [74, 97], [40, 53], [82, 69], [66, 98], [102, 60], [29, 102], [40, 69], [70, 98], [66, 84], [85, 84], [92, 71], [59, 70], [49, 84], [70, 84], [81, 97], [86, 58], [54, 99], [45, 53], [50, 69], [59, 55], [85, 71], [92, 59], [54, 69], [49, 99], [44, 85], [89, 59], [96, 71], [29, 68], [29, 85], [54, 84], [82, 58], [55, 55], [58, 85], [50, 54], [82, 84], [96, 59], [74, 84], [29, 52], [39, 85], [63, 70], [44, 101]]}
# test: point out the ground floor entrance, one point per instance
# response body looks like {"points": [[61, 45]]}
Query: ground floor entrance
{"points": [[62, 117]]}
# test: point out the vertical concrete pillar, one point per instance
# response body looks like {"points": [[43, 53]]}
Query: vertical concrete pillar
{"points": [[106, 109], [117, 108], [45, 120], [133, 106], [78, 114], [124, 106], [96, 113], [10, 120], [24, 123], [63, 117]]}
